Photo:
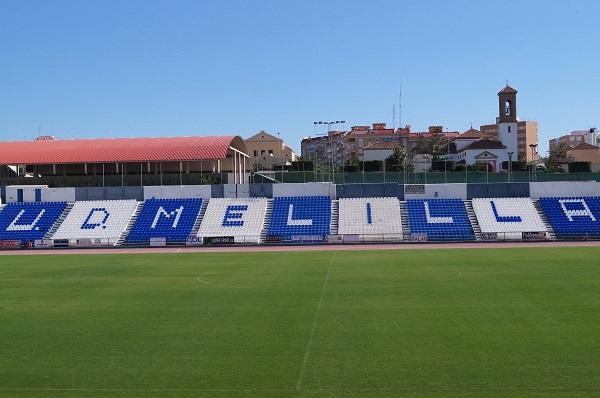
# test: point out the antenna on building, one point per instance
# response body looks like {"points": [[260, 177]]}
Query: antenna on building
{"points": [[394, 116], [400, 107]]}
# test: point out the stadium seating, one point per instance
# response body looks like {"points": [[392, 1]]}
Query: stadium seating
{"points": [[243, 219], [29, 221], [371, 218], [301, 218], [508, 217], [172, 219], [101, 220], [573, 216], [440, 219]]}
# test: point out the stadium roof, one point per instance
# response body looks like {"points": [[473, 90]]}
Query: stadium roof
{"points": [[118, 150]]}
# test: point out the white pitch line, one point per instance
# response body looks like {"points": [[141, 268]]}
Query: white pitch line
{"points": [[314, 325]]}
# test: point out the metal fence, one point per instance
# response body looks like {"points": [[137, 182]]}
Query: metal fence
{"points": [[418, 178]]}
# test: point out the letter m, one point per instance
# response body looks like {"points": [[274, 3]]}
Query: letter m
{"points": [[167, 214]]}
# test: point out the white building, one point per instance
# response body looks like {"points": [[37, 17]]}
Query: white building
{"points": [[483, 151]]}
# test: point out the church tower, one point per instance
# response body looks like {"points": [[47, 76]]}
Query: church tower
{"points": [[507, 119]]}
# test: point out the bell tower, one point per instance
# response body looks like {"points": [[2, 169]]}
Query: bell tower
{"points": [[507, 104], [507, 120]]}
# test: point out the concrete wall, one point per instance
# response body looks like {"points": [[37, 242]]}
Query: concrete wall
{"points": [[440, 191], [236, 190], [58, 195], [462, 191], [261, 190], [564, 188], [109, 193], [498, 190], [369, 190], [305, 189], [174, 192], [216, 191]]}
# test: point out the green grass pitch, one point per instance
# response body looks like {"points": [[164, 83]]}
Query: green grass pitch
{"points": [[405, 323]]}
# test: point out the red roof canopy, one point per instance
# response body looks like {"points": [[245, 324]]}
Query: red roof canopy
{"points": [[118, 150]]}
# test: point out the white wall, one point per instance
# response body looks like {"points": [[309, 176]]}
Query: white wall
{"points": [[177, 192], [441, 191], [48, 194], [509, 139], [306, 189], [564, 188], [502, 155], [377, 154]]}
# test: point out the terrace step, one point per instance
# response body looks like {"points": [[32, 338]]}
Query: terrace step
{"points": [[473, 219]]}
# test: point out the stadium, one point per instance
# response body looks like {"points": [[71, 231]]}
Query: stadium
{"points": [[157, 284]]}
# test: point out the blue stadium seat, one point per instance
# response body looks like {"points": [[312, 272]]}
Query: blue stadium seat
{"points": [[301, 216], [172, 219], [29, 221], [573, 217], [440, 219]]}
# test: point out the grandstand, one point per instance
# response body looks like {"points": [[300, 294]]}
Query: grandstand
{"points": [[259, 220], [573, 217], [440, 219], [301, 218], [172, 219], [373, 219], [27, 222], [102, 221], [241, 219], [138, 203], [507, 218]]}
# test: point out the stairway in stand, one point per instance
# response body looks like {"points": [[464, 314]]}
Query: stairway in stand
{"points": [[473, 219]]}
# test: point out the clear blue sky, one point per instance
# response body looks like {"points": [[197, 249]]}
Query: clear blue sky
{"points": [[85, 68]]}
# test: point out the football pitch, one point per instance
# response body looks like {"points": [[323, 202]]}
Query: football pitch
{"points": [[405, 323]]}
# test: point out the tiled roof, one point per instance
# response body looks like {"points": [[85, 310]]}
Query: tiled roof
{"points": [[484, 143], [583, 145]]}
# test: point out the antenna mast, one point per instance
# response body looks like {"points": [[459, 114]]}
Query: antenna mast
{"points": [[400, 107]]}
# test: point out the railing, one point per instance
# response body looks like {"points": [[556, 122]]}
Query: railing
{"points": [[253, 240], [450, 177], [127, 180], [420, 178]]}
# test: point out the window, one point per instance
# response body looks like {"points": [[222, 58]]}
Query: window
{"points": [[509, 129], [255, 152], [262, 151], [270, 151]]}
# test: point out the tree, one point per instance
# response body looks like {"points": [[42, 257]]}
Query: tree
{"points": [[580, 167], [397, 160], [435, 146], [555, 156], [351, 163]]}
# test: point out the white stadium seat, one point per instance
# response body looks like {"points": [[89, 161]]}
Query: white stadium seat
{"points": [[509, 217], [241, 218], [371, 218], [104, 220]]}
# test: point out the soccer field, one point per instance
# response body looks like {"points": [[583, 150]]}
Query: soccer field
{"points": [[414, 323]]}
